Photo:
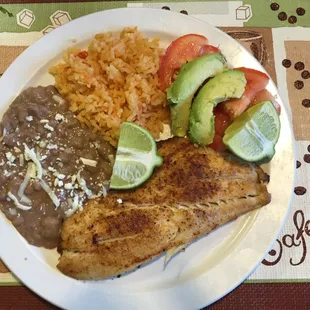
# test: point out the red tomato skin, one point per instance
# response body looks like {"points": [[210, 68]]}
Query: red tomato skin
{"points": [[235, 107], [180, 51], [257, 80], [265, 95], [82, 54], [221, 120], [217, 144], [209, 49]]}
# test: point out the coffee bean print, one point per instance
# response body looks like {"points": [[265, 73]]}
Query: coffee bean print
{"points": [[282, 16], [300, 190], [184, 12], [274, 6], [292, 19], [307, 158], [166, 8], [300, 11], [308, 148], [305, 74], [299, 66], [299, 84], [286, 63], [306, 104], [298, 164]]}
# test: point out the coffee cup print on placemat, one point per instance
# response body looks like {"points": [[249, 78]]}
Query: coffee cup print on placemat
{"points": [[258, 41], [297, 64]]}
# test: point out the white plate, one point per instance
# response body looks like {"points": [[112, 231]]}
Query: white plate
{"points": [[209, 268]]}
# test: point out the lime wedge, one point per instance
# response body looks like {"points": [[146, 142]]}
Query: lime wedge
{"points": [[253, 135], [136, 157]]}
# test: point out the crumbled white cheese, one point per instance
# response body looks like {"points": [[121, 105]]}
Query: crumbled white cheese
{"points": [[30, 174], [44, 121], [88, 162], [10, 157], [48, 127], [68, 186], [17, 150], [2, 162], [119, 201], [52, 147], [43, 157], [50, 193], [42, 144], [56, 182], [59, 117], [83, 185], [60, 176], [17, 203], [58, 99], [21, 160], [49, 135], [37, 137], [51, 169], [30, 154], [60, 183], [74, 204], [29, 118]]}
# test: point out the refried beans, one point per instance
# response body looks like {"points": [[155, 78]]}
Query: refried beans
{"points": [[50, 164]]}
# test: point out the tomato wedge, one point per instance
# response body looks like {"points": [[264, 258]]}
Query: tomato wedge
{"points": [[180, 51], [264, 95], [221, 122], [209, 49], [256, 82]]}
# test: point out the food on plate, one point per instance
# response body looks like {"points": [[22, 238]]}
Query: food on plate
{"points": [[181, 92], [114, 80], [192, 193], [62, 185], [179, 52], [253, 135], [265, 95], [49, 164], [136, 157], [256, 82], [228, 84]]}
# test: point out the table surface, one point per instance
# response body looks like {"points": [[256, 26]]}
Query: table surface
{"points": [[258, 293]]}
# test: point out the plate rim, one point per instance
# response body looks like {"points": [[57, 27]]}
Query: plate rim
{"points": [[54, 33]]}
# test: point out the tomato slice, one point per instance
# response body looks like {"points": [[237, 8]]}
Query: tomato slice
{"points": [[235, 107], [217, 144], [209, 49], [264, 95], [256, 82], [180, 51], [222, 121]]}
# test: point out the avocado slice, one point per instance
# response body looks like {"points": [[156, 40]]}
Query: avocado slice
{"points": [[181, 92], [226, 85]]}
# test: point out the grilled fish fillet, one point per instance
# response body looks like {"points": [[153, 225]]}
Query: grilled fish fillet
{"points": [[192, 193]]}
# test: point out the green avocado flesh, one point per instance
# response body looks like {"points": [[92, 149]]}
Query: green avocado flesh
{"points": [[226, 85], [181, 92]]}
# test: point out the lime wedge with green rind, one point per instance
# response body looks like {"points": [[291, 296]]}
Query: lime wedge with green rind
{"points": [[136, 157], [253, 135]]}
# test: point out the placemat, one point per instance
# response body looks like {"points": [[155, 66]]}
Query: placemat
{"points": [[277, 33]]}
